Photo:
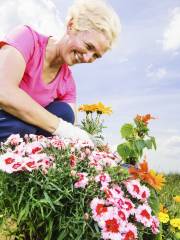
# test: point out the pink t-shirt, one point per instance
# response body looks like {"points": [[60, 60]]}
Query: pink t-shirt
{"points": [[32, 46]]}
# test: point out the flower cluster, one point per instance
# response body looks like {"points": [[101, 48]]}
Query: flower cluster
{"points": [[164, 218], [92, 123], [124, 206], [25, 156], [100, 160], [117, 214], [100, 108], [170, 225], [28, 154], [120, 208]]}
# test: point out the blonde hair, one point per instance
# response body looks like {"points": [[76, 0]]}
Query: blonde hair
{"points": [[97, 15]]}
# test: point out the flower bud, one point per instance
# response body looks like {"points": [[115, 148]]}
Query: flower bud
{"points": [[73, 173], [86, 216]]}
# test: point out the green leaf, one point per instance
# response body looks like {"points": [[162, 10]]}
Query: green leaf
{"points": [[49, 201], [127, 131], [139, 144], [154, 201], [23, 213], [62, 235], [148, 144], [154, 142], [123, 150], [21, 196], [49, 230]]}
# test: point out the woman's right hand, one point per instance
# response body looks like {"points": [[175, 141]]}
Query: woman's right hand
{"points": [[68, 130]]}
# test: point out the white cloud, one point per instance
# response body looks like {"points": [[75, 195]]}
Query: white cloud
{"points": [[42, 15], [167, 156], [155, 74], [171, 38], [172, 146]]}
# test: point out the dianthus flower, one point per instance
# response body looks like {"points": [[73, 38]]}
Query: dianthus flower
{"points": [[136, 190], [13, 140], [82, 180], [155, 225], [130, 232], [98, 207], [143, 215], [103, 178], [112, 226]]}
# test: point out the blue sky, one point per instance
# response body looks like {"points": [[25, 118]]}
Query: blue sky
{"points": [[141, 75]]}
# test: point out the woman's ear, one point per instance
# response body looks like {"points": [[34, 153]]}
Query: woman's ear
{"points": [[70, 25]]}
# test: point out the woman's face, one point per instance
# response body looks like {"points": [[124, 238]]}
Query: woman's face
{"points": [[84, 47]]}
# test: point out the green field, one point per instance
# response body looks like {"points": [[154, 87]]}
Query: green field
{"points": [[170, 190]]}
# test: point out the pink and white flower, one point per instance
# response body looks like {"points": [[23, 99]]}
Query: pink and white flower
{"points": [[103, 178], [145, 193], [112, 226], [99, 208], [130, 232], [155, 225], [57, 143], [13, 140], [143, 215], [82, 181], [136, 190]]}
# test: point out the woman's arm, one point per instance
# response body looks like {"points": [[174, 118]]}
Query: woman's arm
{"points": [[13, 99]]}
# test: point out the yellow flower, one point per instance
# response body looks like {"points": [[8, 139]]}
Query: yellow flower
{"points": [[175, 223], [163, 217], [158, 180], [102, 109], [87, 108], [99, 108], [177, 199], [162, 208]]}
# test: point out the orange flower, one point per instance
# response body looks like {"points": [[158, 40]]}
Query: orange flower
{"points": [[145, 119], [177, 198], [149, 176]]}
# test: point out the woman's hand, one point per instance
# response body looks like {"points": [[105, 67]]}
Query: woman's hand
{"points": [[68, 130]]}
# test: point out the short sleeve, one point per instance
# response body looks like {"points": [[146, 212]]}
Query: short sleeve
{"points": [[22, 39]]}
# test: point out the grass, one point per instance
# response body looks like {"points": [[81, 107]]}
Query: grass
{"points": [[170, 190]]}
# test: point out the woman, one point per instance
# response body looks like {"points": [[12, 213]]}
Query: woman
{"points": [[37, 90]]}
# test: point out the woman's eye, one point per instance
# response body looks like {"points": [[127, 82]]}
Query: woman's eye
{"points": [[96, 56], [89, 47]]}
